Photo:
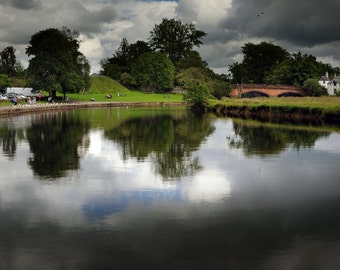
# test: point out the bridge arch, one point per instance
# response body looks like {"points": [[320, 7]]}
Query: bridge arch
{"points": [[254, 93], [267, 90], [290, 94]]}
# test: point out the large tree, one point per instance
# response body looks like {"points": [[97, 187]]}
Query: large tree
{"points": [[258, 60], [56, 63], [8, 61], [175, 38]]}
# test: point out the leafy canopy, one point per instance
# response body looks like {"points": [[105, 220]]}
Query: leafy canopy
{"points": [[175, 38], [154, 70], [56, 63], [8, 61]]}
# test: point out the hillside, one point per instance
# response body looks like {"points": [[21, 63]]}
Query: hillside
{"points": [[104, 84]]}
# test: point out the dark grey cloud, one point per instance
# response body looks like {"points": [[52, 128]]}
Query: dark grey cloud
{"points": [[305, 23], [221, 35], [22, 4], [91, 22]]}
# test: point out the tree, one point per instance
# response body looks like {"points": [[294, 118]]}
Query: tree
{"points": [[313, 88], [258, 59], [296, 69], [175, 38], [153, 71], [4, 82], [192, 59], [137, 49], [56, 63], [203, 76], [122, 59], [8, 61], [197, 96]]}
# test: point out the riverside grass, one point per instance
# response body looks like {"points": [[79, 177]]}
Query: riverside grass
{"points": [[317, 105]]}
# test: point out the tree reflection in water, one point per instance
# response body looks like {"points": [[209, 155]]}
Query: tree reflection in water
{"points": [[168, 140], [258, 139], [54, 141]]}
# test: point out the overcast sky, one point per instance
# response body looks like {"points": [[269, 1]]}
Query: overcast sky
{"points": [[310, 27]]}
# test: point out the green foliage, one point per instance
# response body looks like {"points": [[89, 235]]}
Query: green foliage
{"points": [[313, 88], [197, 95], [153, 71], [175, 38], [73, 82], [122, 59], [296, 70], [205, 76], [8, 61], [258, 59], [111, 70], [4, 82], [193, 59], [56, 63], [128, 80], [271, 64]]}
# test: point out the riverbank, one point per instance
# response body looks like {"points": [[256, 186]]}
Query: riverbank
{"points": [[284, 109], [45, 107]]}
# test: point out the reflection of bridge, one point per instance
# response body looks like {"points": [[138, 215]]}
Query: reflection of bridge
{"points": [[265, 90]]}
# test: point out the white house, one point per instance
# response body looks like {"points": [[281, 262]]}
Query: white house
{"points": [[332, 85]]}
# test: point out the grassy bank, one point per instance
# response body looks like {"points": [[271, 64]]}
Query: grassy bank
{"points": [[129, 96], [290, 108]]}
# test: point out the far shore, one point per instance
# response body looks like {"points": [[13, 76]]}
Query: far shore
{"points": [[45, 107], [311, 109]]}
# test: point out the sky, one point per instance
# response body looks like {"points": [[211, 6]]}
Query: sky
{"points": [[310, 27]]}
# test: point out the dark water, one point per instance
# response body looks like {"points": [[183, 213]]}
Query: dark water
{"points": [[160, 189]]}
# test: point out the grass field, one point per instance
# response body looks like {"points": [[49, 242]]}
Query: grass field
{"points": [[130, 96], [326, 103]]}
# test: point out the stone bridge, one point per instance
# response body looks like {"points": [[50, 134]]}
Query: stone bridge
{"points": [[265, 90]]}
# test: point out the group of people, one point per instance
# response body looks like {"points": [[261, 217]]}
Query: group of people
{"points": [[30, 100]]}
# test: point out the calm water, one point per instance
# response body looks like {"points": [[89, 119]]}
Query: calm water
{"points": [[160, 189]]}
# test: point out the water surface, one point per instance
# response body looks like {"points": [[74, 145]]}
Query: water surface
{"points": [[157, 188]]}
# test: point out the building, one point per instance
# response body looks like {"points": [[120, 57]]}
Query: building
{"points": [[332, 85], [26, 91]]}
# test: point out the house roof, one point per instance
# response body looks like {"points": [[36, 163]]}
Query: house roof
{"points": [[324, 78]]}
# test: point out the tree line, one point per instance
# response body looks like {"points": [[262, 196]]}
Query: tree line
{"points": [[167, 59]]}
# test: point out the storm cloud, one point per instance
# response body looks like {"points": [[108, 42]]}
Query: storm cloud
{"points": [[310, 27], [27, 4], [305, 23]]}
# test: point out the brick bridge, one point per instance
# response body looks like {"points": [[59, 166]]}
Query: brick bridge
{"points": [[266, 90]]}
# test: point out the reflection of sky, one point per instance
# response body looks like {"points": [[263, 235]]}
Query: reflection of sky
{"points": [[135, 183], [329, 144], [120, 210], [106, 185]]}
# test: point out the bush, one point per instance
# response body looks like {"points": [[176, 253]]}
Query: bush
{"points": [[197, 96], [313, 88]]}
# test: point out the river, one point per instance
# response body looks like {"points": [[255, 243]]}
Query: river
{"points": [[158, 188]]}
